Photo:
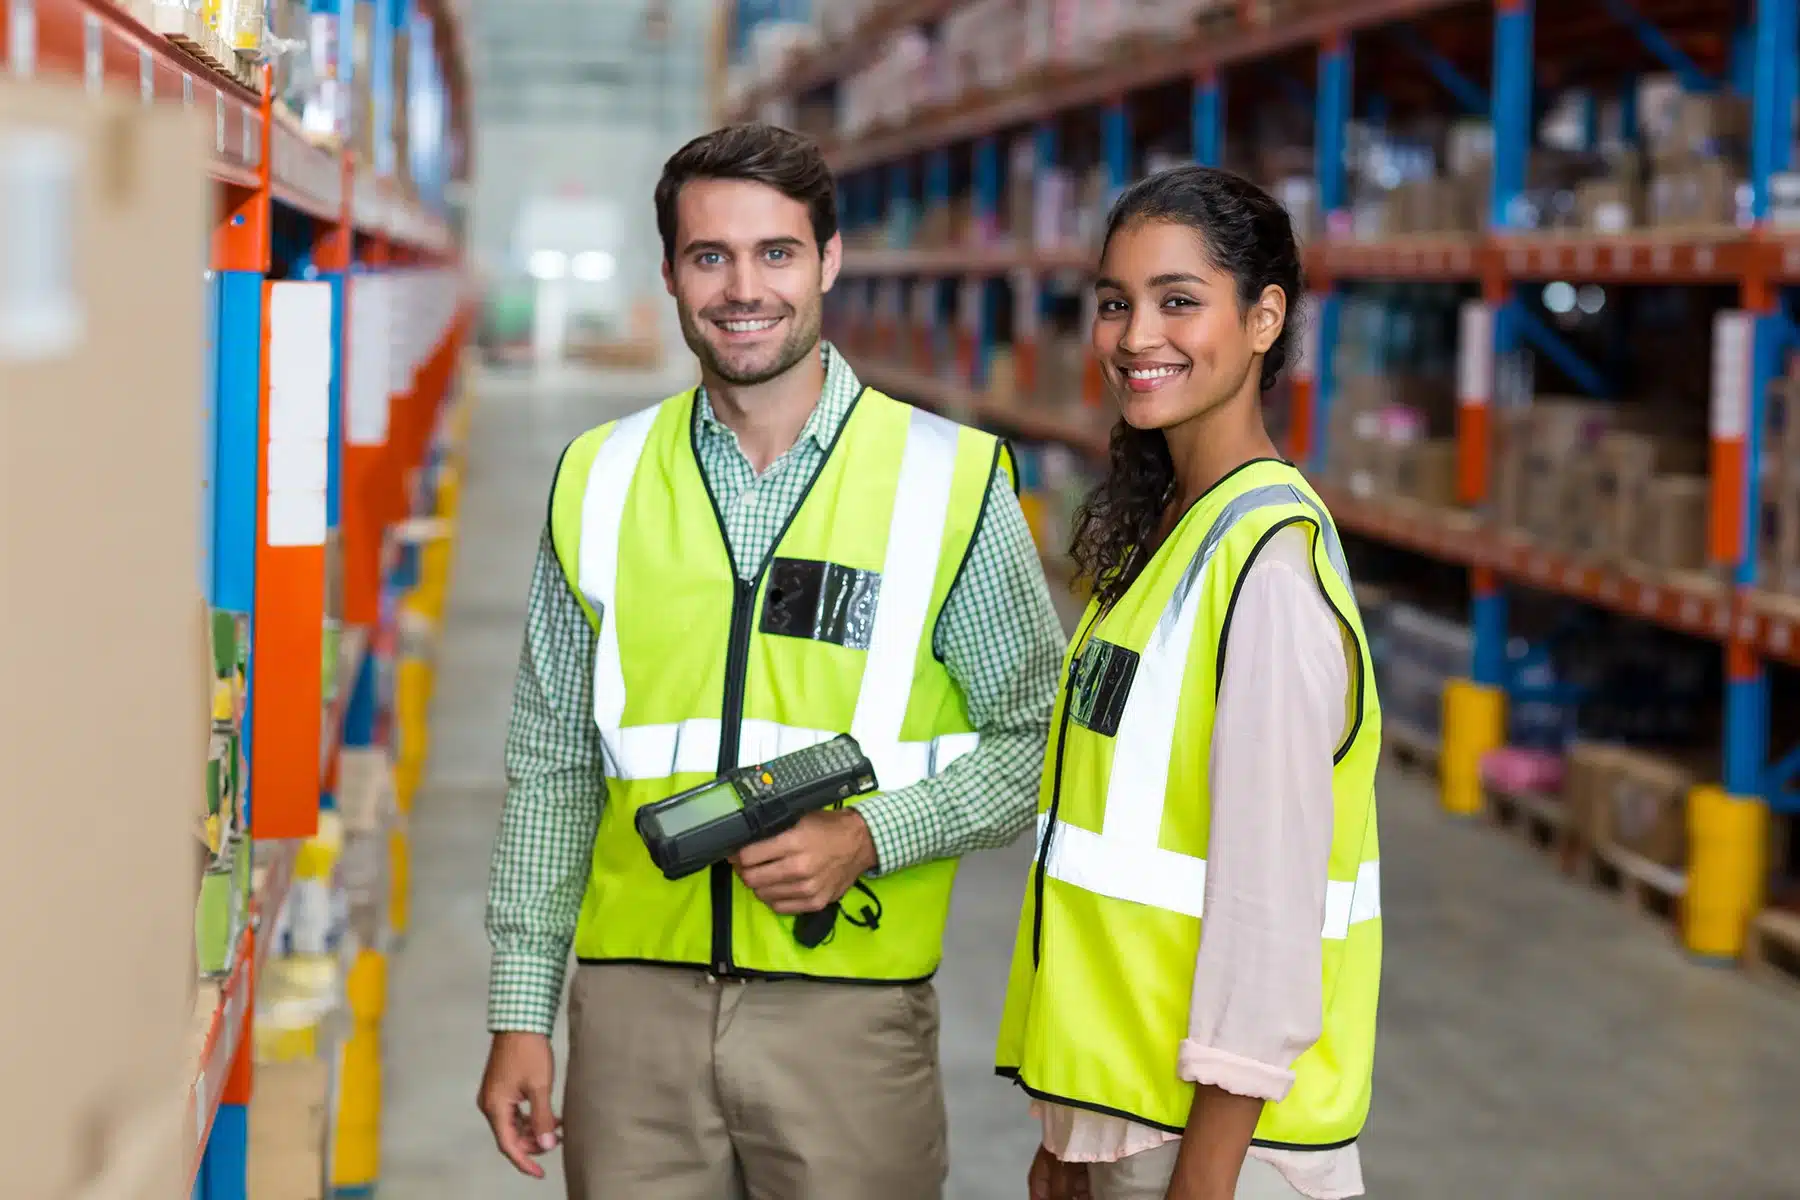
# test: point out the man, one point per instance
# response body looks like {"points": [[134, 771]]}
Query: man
{"points": [[743, 570]]}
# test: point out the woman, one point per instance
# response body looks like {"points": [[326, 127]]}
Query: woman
{"points": [[1214, 748]]}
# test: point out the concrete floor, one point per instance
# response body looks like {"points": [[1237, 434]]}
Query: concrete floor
{"points": [[1537, 1041]]}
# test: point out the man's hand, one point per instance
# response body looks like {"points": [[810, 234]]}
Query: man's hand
{"points": [[515, 1098], [1053, 1179], [810, 865]]}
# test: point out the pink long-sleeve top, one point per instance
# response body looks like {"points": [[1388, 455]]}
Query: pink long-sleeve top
{"points": [[1281, 712]]}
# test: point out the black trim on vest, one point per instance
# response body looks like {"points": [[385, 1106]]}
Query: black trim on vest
{"points": [[1041, 866], [1231, 608], [987, 495], [550, 500], [1012, 1073], [737, 657], [746, 973]]}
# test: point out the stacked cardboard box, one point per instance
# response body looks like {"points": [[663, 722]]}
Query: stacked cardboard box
{"points": [[1605, 480], [289, 1120], [1390, 437], [105, 701], [1698, 162], [1630, 799]]}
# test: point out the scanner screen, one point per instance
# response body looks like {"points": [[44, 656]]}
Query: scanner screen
{"points": [[720, 800]]}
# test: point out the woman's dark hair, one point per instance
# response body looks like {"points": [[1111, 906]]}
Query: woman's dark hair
{"points": [[789, 162], [1247, 236]]}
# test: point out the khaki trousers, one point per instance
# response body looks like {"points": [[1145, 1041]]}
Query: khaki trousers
{"points": [[683, 1087], [1146, 1176]]}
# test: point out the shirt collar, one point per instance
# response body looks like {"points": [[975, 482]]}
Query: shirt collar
{"points": [[835, 400]]}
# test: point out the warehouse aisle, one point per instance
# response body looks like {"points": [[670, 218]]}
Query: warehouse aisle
{"points": [[1538, 1042]]}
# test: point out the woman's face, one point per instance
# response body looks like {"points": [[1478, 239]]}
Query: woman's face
{"points": [[1172, 341]]}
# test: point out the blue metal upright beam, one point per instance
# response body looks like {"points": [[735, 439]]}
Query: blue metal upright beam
{"points": [[1115, 148], [1773, 72], [1512, 111], [1331, 125], [225, 1171], [1209, 120], [1772, 98]]}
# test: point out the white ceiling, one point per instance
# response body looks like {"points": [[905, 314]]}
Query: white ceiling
{"points": [[588, 60]]}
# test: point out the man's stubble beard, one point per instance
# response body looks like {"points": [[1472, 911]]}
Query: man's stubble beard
{"points": [[804, 330]]}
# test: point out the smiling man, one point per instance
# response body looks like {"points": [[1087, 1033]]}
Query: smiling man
{"points": [[748, 568]]}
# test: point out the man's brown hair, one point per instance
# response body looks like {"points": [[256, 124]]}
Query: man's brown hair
{"points": [[768, 154]]}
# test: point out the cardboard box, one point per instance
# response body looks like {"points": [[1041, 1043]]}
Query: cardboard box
{"points": [[1628, 462], [1428, 472], [1643, 806], [1674, 531], [1589, 765], [105, 714]]}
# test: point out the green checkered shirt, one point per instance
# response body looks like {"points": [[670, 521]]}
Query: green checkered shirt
{"points": [[999, 636]]}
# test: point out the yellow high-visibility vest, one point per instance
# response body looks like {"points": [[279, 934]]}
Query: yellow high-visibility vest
{"points": [[697, 671], [1097, 1004]]}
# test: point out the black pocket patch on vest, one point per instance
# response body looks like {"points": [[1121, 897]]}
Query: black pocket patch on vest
{"points": [[1103, 676], [821, 601]]}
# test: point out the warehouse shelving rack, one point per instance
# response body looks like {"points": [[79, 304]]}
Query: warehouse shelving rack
{"points": [[1441, 42], [326, 386]]}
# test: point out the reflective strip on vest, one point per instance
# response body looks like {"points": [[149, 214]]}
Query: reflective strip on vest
{"points": [[692, 746], [1123, 860], [903, 603]]}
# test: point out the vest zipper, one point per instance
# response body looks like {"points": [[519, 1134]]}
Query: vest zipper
{"points": [[731, 728], [1043, 858]]}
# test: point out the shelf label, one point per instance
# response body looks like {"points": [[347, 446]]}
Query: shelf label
{"points": [[1025, 304], [22, 22], [1690, 611], [1648, 600], [40, 310], [299, 412], [1306, 362], [1661, 259], [1780, 637], [366, 423], [1475, 355], [1732, 336], [93, 52], [187, 90], [146, 76], [218, 122]]}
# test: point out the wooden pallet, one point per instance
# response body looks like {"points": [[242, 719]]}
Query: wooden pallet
{"points": [[1650, 888], [1410, 746], [1773, 946], [1538, 820]]}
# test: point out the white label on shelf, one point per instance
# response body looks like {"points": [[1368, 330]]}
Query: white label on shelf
{"points": [[968, 306], [1475, 355], [40, 312], [366, 422], [252, 148], [93, 58], [1025, 292], [1306, 362], [146, 75], [22, 50], [1732, 337], [219, 122], [299, 412], [187, 91]]}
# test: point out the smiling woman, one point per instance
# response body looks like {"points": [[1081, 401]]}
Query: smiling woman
{"points": [[1171, 1058], [1197, 296]]}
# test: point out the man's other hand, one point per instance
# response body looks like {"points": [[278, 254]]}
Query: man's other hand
{"points": [[810, 865], [515, 1098]]}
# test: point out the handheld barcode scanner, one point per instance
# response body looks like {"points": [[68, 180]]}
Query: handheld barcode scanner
{"points": [[692, 830]]}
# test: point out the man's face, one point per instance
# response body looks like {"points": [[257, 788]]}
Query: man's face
{"points": [[748, 279]]}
